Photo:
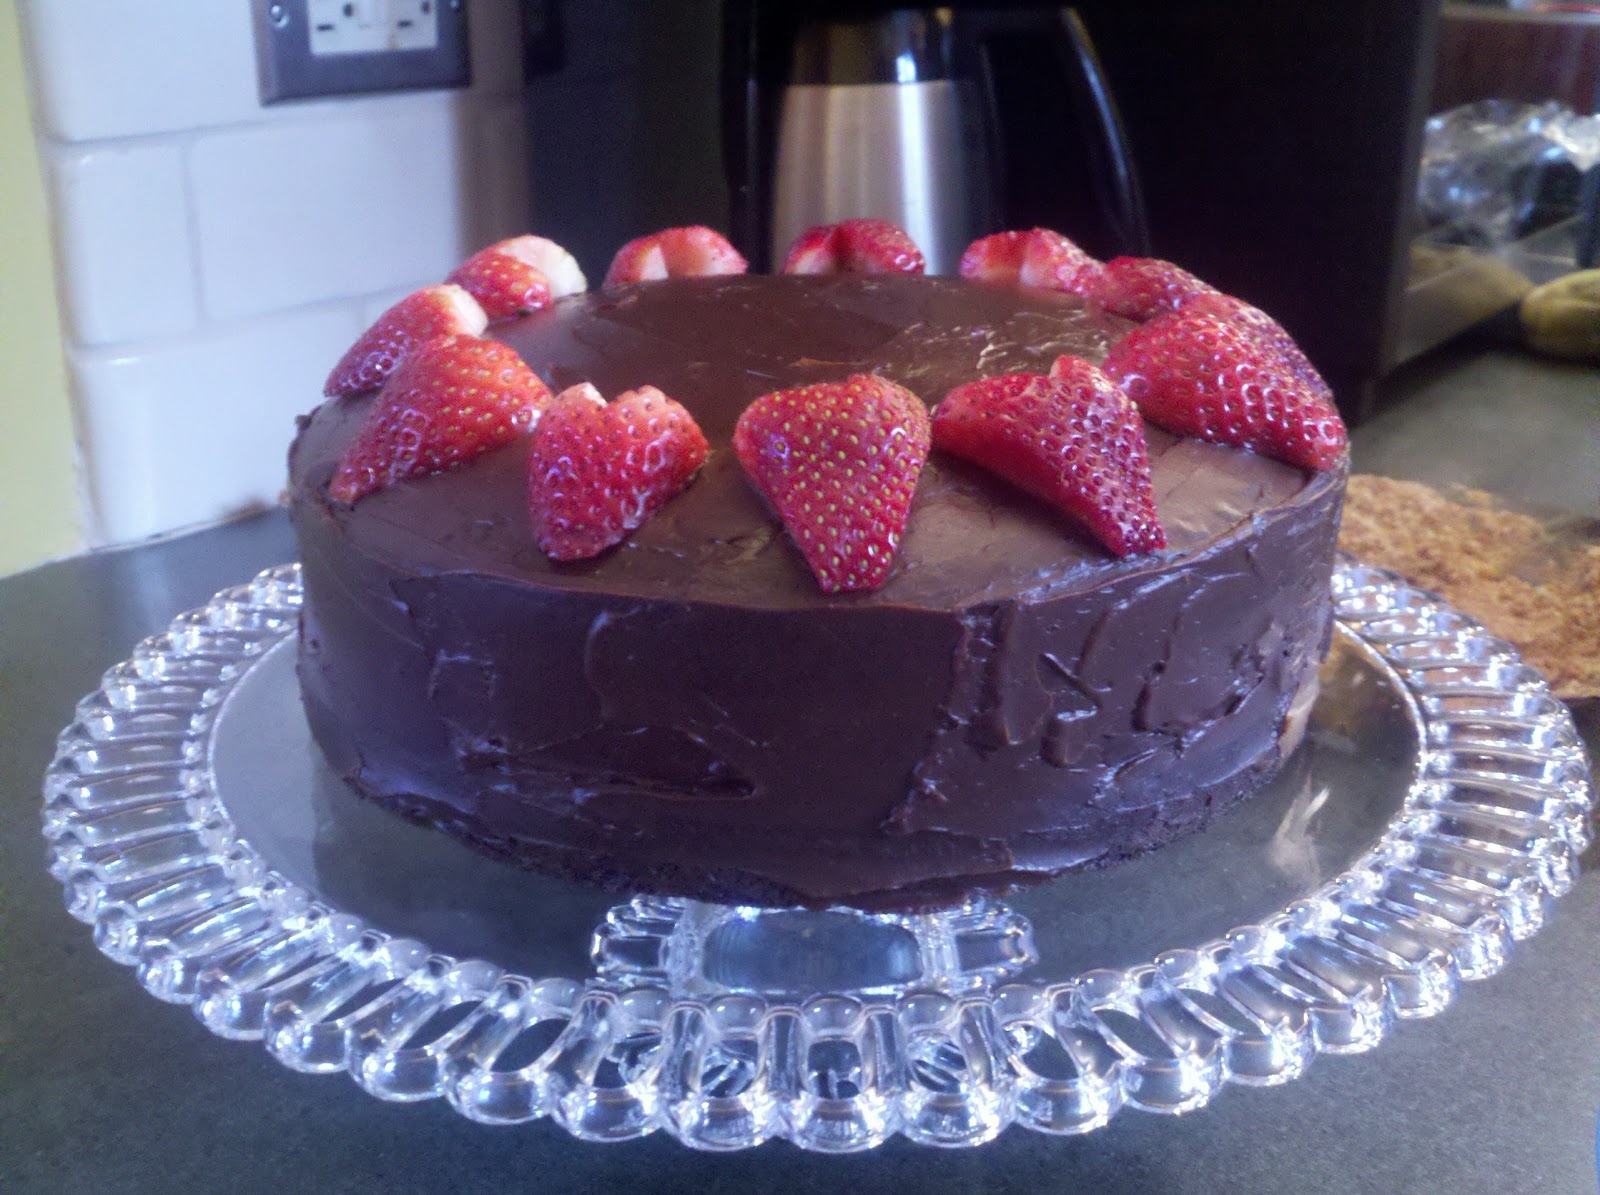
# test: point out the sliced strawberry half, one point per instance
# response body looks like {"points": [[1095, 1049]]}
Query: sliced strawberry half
{"points": [[1038, 257], [504, 286], [1142, 288], [854, 247], [598, 470], [451, 399], [693, 252], [1198, 375], [1267, 331], [839, 462], [560, 268], [1072, 439], [431, 312], [518, 276]]}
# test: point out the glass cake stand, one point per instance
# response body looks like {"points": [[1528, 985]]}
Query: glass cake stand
{"points": [[1437, 806]]}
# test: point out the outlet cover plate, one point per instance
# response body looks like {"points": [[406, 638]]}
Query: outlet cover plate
{"points": [[290, 70]]}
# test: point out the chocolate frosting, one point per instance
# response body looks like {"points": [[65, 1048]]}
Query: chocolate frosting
{"points": [[689, 713]]}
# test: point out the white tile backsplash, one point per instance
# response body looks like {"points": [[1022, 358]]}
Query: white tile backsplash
{"points": [[287, 215], [127, 278], [217, 256], [196, 430], [116, 68]]}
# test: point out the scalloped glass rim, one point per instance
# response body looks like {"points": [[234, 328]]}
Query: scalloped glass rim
{"points": [[1497, 813]]}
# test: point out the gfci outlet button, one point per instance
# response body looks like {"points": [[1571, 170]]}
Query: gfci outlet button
{"points": [[342, 47]]}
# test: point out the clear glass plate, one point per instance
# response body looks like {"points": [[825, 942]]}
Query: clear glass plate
{"points": [[1438, 804]]}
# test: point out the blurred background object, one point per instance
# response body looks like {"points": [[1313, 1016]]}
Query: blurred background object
{"points": [[1562, 317], [1531, 52], [1509, 199], [1509, 191]]}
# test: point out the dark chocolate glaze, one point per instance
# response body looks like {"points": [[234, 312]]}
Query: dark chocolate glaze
{"points": [[689, 714]]}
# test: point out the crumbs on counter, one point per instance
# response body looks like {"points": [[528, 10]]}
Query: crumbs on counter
{"points": [[1530, 584]]}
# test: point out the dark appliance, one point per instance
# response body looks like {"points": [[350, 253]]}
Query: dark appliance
{"points": [[1276, 144]]}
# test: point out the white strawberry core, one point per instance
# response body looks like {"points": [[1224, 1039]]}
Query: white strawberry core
{"points": [[560, 268], [652, 264], [585, 391], [1036, 264], [464, 310], [813, 261], [698, 252]]}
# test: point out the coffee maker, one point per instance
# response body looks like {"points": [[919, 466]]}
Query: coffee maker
{"points": [[950, 122]]}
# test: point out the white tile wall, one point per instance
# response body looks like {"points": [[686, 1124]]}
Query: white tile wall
{"points": [[130, 278], [114, 68], [287, 214], [216, 256], [197, 429]]}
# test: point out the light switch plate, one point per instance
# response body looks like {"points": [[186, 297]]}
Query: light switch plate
{"points": [[346, 47]]}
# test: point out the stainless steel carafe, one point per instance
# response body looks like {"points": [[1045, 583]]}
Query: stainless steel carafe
{"points": [[926, 117], [874, 123]]}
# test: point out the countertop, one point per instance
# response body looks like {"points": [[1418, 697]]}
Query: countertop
{"points": [[103, 1088]]}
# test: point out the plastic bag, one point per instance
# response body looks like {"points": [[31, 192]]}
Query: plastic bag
{"points": [[1495, 171]]}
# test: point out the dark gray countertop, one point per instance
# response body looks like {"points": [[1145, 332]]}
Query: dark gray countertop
{"points": [[103, 1089]]}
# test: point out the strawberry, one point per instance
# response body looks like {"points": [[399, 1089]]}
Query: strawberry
{"points": [[504, 286], [839, 462], [560, 269], [451, 399], [693, 252], [1142, 288], [1267, 331], [422, 315], [1198, 375], [598, 470], [1038, 258], [854, 247], [518, 276], [1072, 439]]}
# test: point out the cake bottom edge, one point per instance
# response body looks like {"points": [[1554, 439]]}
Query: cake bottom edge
{"points": [[1142, 831]]}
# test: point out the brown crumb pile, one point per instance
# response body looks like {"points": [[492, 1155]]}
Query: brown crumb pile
{"points": [[1531, 586]]}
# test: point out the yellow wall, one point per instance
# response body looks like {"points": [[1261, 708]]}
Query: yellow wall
{"points": [[39, 503]]}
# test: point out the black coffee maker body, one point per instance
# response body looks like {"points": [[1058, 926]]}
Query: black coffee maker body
{"points": [[951, 122]]}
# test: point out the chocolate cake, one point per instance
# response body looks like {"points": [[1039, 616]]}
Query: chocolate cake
{"points": [[689, 714]]}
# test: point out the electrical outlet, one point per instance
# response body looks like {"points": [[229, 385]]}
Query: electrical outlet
{"points": [[348, 26], [341, 47], [372, 26], [413, 24]]}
